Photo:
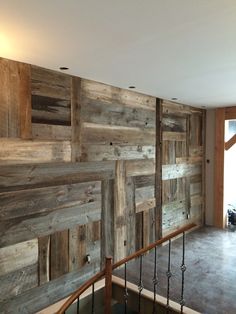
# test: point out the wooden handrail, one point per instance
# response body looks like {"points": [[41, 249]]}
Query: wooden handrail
{"points": [[83, 288], [107, 270], [151, 246]]}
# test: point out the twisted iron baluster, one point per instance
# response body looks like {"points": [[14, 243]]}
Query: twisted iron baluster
{"points": [[155, 281], [93, 297], [140, 285], [126, 290], [183, 269], [78, 305], [168, 274]]}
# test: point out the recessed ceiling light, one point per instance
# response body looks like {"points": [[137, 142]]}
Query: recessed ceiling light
{"points": [[63, 68], [132, 87], [174, 98]]}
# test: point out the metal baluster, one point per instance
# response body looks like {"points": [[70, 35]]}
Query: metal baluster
{"points": [[183, 269], [126, 290], [93, 297], [78, 305], [168, 274], [155, 282], [140, 285]]}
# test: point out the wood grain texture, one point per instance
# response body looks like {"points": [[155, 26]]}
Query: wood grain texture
{"points": [[219, 168], [93, 133], [112, 151], [44, 259], [109, 94], [17, 256], [59, 255], [119, 212], [51, 132], [18, 177], [76, 119], [16, 151], [15, 99]]}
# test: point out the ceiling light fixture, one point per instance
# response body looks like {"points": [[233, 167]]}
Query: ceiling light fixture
{"points": [[132, 87], [174, 98], [64, 68]]}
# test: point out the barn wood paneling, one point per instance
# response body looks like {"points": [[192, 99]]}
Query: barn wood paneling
{"points": [[78, 176]]}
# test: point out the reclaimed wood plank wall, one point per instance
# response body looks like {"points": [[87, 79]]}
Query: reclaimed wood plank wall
{"points": [[77, 177]]}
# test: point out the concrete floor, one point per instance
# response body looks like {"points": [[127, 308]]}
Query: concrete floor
{"points": [[210, 278]]}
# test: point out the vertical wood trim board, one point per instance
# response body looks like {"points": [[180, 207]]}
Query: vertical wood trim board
{"points": [[219, 167]]}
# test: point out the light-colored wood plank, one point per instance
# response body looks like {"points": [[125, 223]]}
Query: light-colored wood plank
{"points": [[119, 212], [17, 256], [180, 170], [16, 151], [51, 132], [107, 94], [93, 133], [140, 167], [93, 152], [174, 136]]}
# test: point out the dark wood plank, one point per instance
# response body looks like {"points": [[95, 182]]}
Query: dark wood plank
{"points": [[76, 119], [107, 219], [158, 170], [43, 261], [59, 254]]}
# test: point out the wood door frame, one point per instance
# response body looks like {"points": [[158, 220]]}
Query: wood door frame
{"points": [[222, 114]]}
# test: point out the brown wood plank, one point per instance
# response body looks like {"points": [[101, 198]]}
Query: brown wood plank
{"points": [[230, 113], [17, 177], [115, 113], [59, 255], [17, 256], [15, 230], [50, 83], [174, 136], [76, 119], [130, 216], [51, 132], [15, 113], [43, 260], [158, 170], [18, 282], [107, 94], [107, 219], [93, 133], [16, 151], [140, 167], [120, 237], [93, 152], [230, 142], [23, 204], [219, 167]]}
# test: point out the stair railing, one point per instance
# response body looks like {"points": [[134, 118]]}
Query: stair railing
{"points": [[109, 267]]}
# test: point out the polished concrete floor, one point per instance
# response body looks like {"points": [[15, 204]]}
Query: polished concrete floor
{"points": [[210, 278]]}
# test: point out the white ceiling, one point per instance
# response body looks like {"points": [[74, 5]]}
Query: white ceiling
{"points": [[166, 48]]}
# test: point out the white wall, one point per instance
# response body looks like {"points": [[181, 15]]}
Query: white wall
{"points": [[210, 152]]}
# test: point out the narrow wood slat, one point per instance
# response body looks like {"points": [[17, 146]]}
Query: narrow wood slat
{"points": [[59, 254], [180, 170], [43, 260], [230, 142]]}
